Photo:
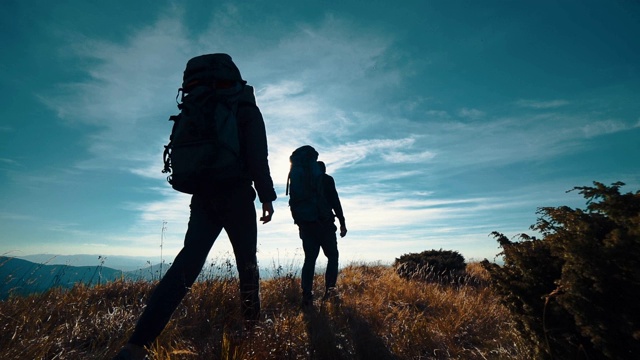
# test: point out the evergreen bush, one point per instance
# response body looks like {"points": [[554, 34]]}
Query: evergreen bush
{"points": [[574, 293]]}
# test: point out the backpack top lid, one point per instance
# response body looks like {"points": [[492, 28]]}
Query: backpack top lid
{"points": [[304, 153], [301, 158], [210, 66]]}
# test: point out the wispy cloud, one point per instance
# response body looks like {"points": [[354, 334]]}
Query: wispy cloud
{"points": [[473, 114], [604, 127], [537, 104], [374, 150], [8, 161], [15, 216], [400, 157], [121, 92]]}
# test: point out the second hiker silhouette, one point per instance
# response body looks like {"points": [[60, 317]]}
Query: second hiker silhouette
{"points": [[314, 205]]}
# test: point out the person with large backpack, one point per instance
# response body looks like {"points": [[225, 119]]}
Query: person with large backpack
{"points": [[217, 151], [314, 205]]}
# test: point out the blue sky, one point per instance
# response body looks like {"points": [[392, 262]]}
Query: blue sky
{"points": [[441, 121]]}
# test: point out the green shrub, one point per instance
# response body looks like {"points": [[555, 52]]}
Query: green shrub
{"points": [[575, 293], [524, 282], [431, 265]]}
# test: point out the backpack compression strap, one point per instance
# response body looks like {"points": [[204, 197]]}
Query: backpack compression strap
{"points": [[286, 193]]}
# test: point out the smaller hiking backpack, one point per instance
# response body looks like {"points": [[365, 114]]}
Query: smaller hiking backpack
{"points": [[304, 187], [204, 146]]}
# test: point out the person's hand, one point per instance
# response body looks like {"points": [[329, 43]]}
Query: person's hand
{"points": [[267, 212], [343, 230]]}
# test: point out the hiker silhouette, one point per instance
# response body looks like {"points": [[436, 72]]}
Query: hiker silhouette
{"points": [[315, 204], [221, 200]]}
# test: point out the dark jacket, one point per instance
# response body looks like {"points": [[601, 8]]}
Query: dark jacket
{"points": [[253, 146], [331, 195]]}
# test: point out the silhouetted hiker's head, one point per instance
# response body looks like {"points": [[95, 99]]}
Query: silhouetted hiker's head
{"points": [[323, 167]]}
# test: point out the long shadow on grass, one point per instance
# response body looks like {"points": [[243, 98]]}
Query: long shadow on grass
{"points": [[350, 337]]}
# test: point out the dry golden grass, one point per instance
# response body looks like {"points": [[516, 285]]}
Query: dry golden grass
{"points": [[378, 316]]}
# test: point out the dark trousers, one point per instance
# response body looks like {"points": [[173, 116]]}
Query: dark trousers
{"points": [[317, 235], [232, 209]]}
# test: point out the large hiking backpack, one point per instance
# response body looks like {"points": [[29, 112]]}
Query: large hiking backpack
{"points": [[304, 187], [204, 146]]}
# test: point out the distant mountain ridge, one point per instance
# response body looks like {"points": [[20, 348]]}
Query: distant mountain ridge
{"points": [[31, 274], [22, 277], [118, 262]]}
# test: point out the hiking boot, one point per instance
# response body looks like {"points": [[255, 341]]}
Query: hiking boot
{"points": [[250, 327], [331, 294], [131, 352], [307, 300]]}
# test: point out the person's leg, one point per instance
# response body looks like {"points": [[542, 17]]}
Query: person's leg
{"points": [[330, 250], [200, 236], [311, 247], [240, 225]]}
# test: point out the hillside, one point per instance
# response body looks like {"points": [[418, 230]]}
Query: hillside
{"points": [[379, 316], [21, 277], [118, 262]]}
